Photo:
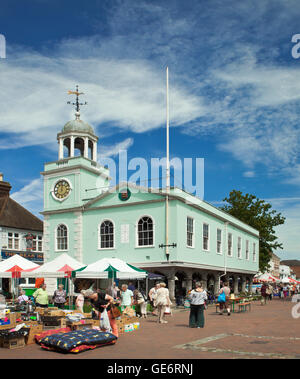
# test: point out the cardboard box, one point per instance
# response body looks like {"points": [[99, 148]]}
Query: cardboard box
{"points": [[79, 325], [32, 331], [14, 343]]}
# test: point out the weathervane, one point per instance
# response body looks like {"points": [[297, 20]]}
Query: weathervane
{"points": [[77, 104]]}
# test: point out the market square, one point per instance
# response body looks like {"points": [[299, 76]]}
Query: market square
{"points": [[149, 182]]}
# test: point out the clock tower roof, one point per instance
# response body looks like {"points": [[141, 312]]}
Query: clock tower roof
{"points": [[77, 125]]}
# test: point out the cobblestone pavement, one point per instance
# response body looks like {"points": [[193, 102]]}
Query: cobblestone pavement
{"points": [[265, 332]]}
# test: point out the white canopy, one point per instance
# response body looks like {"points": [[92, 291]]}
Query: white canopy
{"points": [[60, 267], [13, 266], [285, 280], [111, 267]]}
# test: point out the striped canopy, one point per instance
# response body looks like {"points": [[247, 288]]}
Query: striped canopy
{"points": [[60, 267], [15, 265], [110, 268]]}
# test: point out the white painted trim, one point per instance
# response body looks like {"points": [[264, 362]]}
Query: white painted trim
{"points": [[55, 238], [136, 233], [208, 242], [114, 235], [53, 186], [193, 237], [221, 252]]}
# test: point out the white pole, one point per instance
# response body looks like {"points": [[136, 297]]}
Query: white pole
{"points": [[167, 167]]}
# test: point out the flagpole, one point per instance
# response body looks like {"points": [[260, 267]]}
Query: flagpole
{"points": [[167, 164]]}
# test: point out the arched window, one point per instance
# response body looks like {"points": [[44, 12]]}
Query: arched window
{"points": [[62, 237], [106, 235], [145, 231]]}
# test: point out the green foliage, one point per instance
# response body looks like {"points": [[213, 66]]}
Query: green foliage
{"points": [[258, 214]]}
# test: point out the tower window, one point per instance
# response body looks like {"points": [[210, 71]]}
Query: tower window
{"points": [[62, 237]]}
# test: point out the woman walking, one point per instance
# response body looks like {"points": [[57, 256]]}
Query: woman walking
{"points": [[162, 302], [198, 296]]}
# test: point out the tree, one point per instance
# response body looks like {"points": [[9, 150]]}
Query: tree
{"points": [[258, 214]]}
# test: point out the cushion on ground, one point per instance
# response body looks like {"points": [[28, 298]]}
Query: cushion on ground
{"points": [[38, 337], [67, 341]]}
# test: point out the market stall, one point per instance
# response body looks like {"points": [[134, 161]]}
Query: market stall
{"points": [[13, 267]]}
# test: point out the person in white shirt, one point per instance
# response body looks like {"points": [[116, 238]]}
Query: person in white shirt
{"points": [[198, 296]]}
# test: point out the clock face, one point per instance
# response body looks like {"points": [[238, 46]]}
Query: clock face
{"points": [[61, 189]]}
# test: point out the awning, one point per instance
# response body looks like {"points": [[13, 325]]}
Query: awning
{"points": [[110, 268], [60, 267], [14, 266]]}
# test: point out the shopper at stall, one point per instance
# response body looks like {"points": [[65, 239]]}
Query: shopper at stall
{"points": [[59, 297], [100, 301], [141, 303], [41, 297], [79, 302], [23, 298], [152, 297], [162, 302], [126, 297], [198, 296]]}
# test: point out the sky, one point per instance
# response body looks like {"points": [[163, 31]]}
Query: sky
{"points": [[234, 88]]}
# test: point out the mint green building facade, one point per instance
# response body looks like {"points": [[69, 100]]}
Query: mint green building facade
{"points": [[89, 220]]}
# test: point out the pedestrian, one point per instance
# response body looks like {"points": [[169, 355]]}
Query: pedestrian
{"points": [[141, 303], [41, 296], [126, 296], [131, 287], [225, 305], [162, 302], [264, 294], [198, 296], [115, 291], [285, 291], [152, 297], [23, 298], [80, 301], [59, 297], [269, 291], [101, 301]]}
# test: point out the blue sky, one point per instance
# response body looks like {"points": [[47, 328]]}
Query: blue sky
{"points": [[234, 91]]}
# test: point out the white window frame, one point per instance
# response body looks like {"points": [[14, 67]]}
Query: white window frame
{"points": [[68, 234], [36, 240], [13, 239], [239, 247], [247, 255], [137, 246], [208, 239], [229, 255], [221, 242], [193, 232], [99, 235]]}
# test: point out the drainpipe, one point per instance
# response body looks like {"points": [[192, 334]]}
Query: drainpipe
{"points": [[225, 253]]}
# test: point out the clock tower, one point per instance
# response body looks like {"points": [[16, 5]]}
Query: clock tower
{"points": [[75, 177]]}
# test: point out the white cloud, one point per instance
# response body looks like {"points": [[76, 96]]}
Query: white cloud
{"points": [[31, 196], [249, 174], [113, 150]]}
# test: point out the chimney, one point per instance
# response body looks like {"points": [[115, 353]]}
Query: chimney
{"points": [[5, 187]]}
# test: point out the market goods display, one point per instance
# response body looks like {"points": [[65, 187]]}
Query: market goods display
{"points": [[65, 342]]}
